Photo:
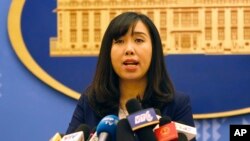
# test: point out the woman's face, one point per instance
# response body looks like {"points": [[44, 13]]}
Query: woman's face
{"points": [[131, 54]]}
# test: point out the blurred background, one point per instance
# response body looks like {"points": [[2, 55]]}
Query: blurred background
{"points": [[30, 109]]}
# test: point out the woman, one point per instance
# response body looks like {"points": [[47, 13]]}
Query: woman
{"points": [[130, 65]]}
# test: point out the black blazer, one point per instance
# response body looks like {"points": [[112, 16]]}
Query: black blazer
{"points": [[179, 110]]}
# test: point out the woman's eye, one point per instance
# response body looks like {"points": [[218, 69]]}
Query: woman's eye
{"points": [[119, 41], [139, 40]]}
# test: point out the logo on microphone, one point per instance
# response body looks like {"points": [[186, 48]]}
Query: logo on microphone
{"points": [[165, 131], [142, 118], [109, 121]]}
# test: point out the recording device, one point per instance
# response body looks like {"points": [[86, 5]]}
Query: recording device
{"points": [[106, 129], [124, 132], [141, 120], [189, 131], [80, 134]]}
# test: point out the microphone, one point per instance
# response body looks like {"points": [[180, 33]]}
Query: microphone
{"points": [[80, 134], [166, 131], [124, 132], [106, 128], [164, 120], [140, 120], [188, 131], [182, 137], [56, 137]]}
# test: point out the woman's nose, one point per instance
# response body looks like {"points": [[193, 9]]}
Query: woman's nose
{"points": [[130, 49], [129, 52]]}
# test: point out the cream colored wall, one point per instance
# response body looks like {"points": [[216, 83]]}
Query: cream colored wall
{"points": [[186, 38]]}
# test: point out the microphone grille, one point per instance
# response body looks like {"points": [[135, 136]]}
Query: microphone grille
{"points": [[164, 120], [133, 105]]}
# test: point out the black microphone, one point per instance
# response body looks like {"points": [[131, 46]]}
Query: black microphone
{"points": [[140, 120], [124, 132], [182, 137], [164, 120]]}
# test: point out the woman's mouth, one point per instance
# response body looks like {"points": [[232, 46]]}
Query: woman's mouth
{"points": [[130, 65]]}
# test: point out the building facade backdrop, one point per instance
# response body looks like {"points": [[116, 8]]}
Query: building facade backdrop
{"points": [[37, 111], [185, 26]]}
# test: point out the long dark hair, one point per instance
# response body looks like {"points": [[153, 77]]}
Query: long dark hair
{"points": [[103, 93]]}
